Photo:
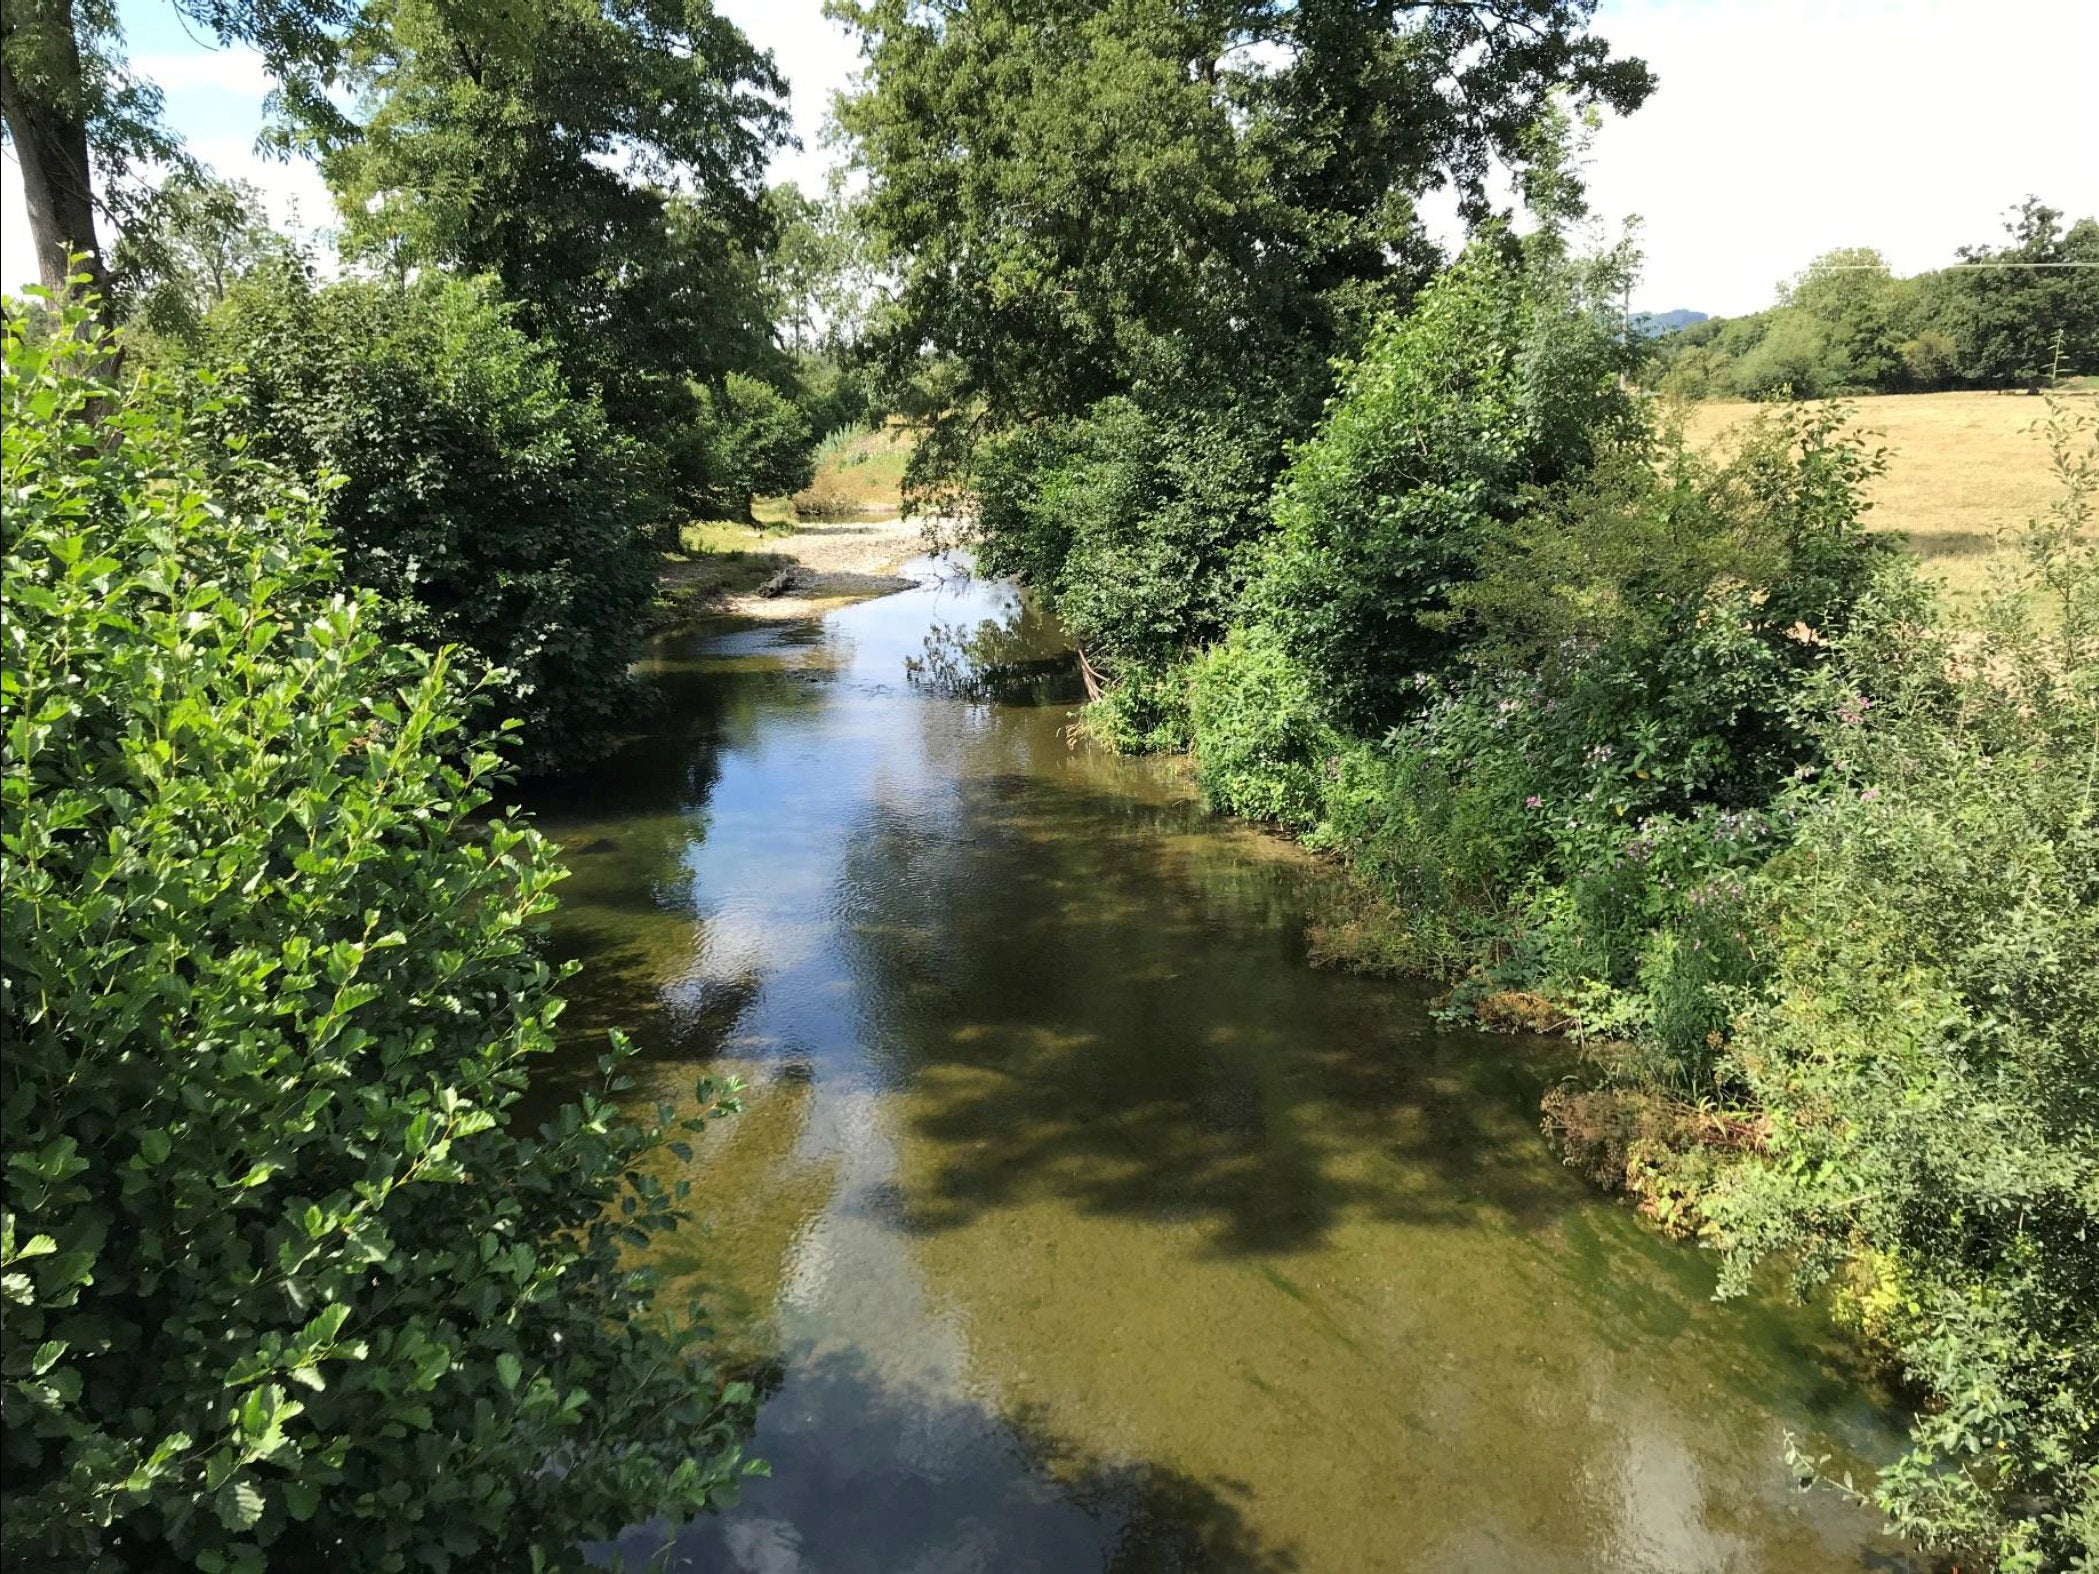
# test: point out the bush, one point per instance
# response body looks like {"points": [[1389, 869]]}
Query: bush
{"points": [[1134, 525], [1500, 380], [1925, 1053], [1261, 746], [484, 504], [284, 1282], [754, 443]]}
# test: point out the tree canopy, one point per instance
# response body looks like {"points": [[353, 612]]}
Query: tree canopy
{"points": [[1085, 200]]}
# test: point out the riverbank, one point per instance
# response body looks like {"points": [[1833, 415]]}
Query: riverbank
{"points": [[775, 573]]}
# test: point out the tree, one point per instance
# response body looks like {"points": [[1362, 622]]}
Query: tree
{"points": [[288, 1284], [1850, 293], [2010, 307], [754, 441], [1169, 198], [188, 246], [603, 162], [88, 132], [484, 502], [817, 271]]}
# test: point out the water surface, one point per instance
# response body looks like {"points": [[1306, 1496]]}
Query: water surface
{"points": [[1089, 1227]]}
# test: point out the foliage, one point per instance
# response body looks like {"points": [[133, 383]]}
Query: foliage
{"points": [[189, 245], [88, 132], [485, 504], [1502, 378], [753, 441], [1166, 199], [2004, 317], [286, 1284], [1260, 739], [818, 271], [1925, 1052], [602, 162], [1133, 526]]}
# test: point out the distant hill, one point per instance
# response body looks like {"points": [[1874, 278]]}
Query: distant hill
{"points": [[1652, 325]]}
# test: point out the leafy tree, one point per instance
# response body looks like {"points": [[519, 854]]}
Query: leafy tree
{"points": [[1503, 378], [2012, 306], [1851, 294], [186, 248], [484, 503], [1166, 197], [602, 162], [1135, 526], [286, 1283], [818, 272], [754, 441], [88, 133]]}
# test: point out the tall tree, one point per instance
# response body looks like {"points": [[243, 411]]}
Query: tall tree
{"points": [[87, 131], [2014, 307], [1084, 200], [604, 161]]}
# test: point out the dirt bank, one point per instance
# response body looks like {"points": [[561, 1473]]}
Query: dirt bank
{"points": [[780, 574]]}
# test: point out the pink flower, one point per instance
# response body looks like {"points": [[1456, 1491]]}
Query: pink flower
{"points": [[1869, 795], [1533, 801]]}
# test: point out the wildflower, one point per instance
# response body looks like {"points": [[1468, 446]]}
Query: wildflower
{"points": [[1870, 795], [1533, 801]]}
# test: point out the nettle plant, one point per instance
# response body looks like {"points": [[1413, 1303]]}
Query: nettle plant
{"points": [[284, 1282]]}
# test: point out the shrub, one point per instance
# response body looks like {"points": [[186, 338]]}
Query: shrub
{"points": [[1260, 743], [1133, 524], [1499, 380], [1926, 1057], [285, 1284], [485, 504], [753, 443]]}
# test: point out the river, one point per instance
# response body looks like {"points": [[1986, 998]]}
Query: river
{"points": [[1086, 1225]]}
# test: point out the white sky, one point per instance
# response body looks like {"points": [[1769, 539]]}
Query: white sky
{"points": [[1781, 128]]}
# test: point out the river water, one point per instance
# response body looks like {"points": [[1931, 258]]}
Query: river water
{"points": [[1084, 1225]]}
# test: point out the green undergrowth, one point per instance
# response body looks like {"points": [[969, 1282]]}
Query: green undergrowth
{"points": [[1671, 753]]}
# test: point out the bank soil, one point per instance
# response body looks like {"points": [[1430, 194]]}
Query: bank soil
{"points": [[787, 574]]}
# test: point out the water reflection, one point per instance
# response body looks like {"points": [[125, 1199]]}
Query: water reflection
{"points": [[1084, 1226]]}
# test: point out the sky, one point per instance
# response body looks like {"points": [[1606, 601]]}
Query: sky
{"points": [[1780, 129]]}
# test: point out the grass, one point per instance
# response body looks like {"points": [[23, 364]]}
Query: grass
{"points": [[859, 475], [1961, 467]]}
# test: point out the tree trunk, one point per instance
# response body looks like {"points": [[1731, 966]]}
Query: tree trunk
{"points": [[51, 142]]}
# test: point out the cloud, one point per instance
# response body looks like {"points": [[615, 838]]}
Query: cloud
{"points": [[236, 70]]}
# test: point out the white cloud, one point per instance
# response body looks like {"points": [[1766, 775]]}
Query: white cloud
{"points": [[236, 70]]}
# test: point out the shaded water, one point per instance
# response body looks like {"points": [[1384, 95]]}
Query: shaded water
{"points": [[1092, 1228]]}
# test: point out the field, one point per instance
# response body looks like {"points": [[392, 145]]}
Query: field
{"points": [[1961, 467]]}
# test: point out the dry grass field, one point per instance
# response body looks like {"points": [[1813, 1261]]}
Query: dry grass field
{"points": [[1961, 467]]}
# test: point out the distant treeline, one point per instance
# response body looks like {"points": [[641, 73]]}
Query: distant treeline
{"points": [[2013, 316]]}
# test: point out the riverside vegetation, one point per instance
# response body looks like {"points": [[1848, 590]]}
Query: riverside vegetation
{"points": [[1659, 748], [1670, 752]]}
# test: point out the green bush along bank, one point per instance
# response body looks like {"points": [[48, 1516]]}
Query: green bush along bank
{"points": [[287, 1282], [1669, 751]]}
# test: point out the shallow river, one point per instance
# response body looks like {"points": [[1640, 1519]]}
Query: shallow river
{"points": [[1090, 1228]]}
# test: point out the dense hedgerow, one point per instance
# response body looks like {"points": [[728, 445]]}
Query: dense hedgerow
{"points": [[1924, 1054], [285, 1284], [1669, 749], [485, 503], [1135, 526]]}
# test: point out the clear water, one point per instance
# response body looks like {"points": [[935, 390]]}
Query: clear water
{"points": [[1085, 1226]]}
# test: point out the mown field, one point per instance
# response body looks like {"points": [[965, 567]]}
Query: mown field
{"points": [[1961, 468]]}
